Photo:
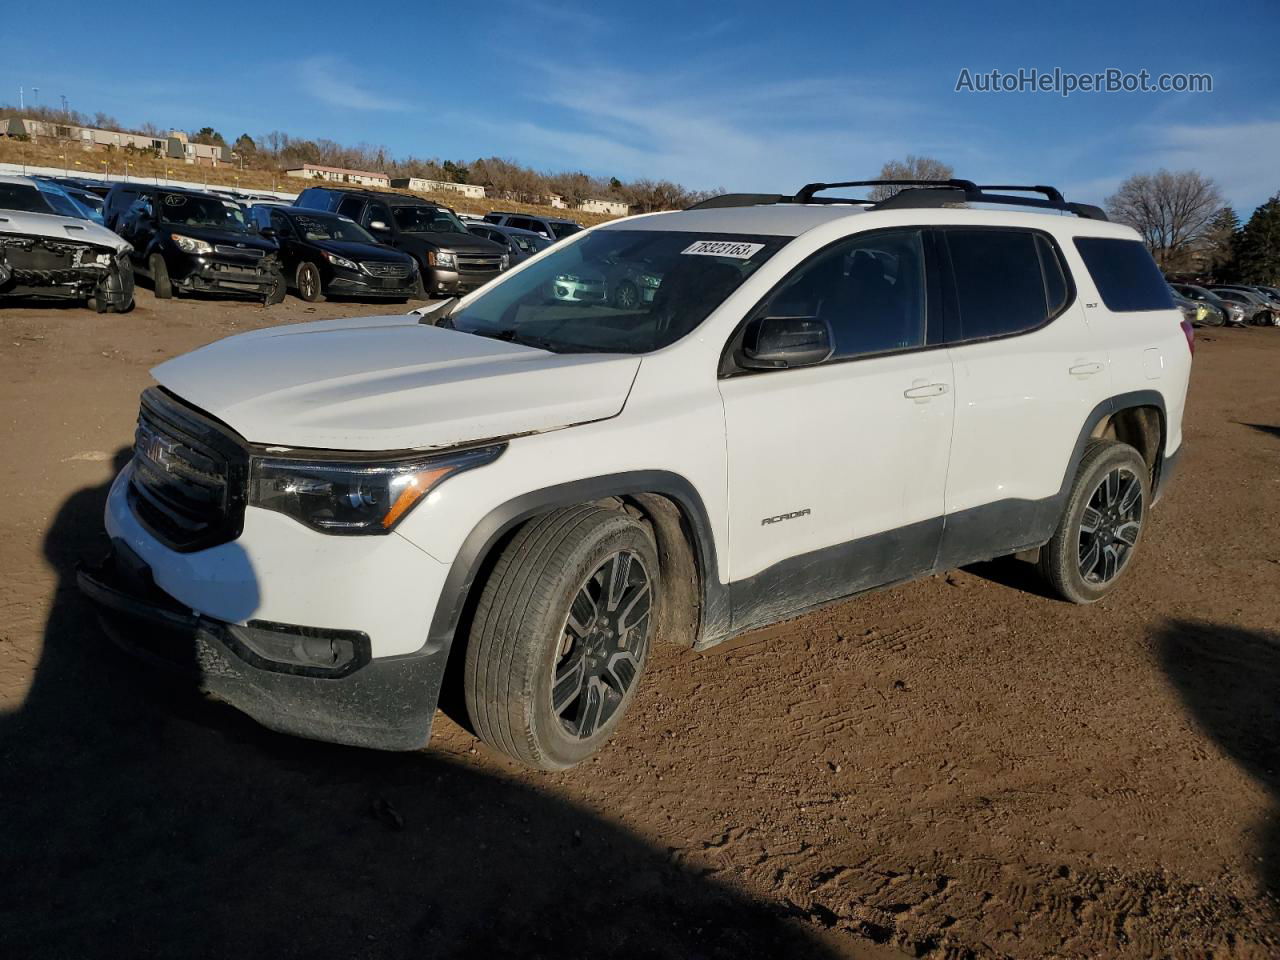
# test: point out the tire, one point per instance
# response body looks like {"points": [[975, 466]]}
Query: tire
{"points": [[540, 617], [306, 280], [276, 293], [160, 277], [1102, 525], [626, 296]]}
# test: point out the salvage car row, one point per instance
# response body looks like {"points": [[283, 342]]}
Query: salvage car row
{"points": [[85, 240]]}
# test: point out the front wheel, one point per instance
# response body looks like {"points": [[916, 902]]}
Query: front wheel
{"points": [[1102, 524], [160, 277], [561, 635], [626, 296], [307, 282], [276, 293]]}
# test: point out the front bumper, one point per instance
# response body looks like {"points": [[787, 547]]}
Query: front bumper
{"points": [[454, 282], [226, 276], [42, 268], [347, 284], [384, 704]]}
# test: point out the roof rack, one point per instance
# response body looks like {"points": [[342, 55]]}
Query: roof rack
{"points": [[916, 195]]}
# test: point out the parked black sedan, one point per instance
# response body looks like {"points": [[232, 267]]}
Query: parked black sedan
{"points": [[327, 254]]}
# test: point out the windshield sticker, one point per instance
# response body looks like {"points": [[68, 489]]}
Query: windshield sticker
{"points": [[174, 199], [723, 248]]}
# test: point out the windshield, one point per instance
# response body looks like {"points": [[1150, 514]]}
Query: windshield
{"points": [[562, 228], [19, 196], [62, 202], [422, 219], [193, 211], [331, 228], [617, 291]]}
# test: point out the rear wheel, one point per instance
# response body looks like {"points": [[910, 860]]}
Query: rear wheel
{"points": [[1102, 525], [561, 635], [307, 282], [160, 277]]}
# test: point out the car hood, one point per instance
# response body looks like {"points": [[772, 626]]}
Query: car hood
{"points": [[60, 228], [456, 241], [392, 383]]}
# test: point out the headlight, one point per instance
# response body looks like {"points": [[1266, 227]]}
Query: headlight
{"points": [[443, 259], [190, 244], [354, 498], [338, 261]]}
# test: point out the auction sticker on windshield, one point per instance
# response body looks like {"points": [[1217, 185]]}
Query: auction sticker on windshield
{"points": [[724, 248]]}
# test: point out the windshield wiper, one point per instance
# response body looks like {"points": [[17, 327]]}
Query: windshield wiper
{"points": [[511, 335]]}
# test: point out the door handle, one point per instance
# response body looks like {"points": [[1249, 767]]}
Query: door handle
{"points": [[922, 392], [1085, 369]]}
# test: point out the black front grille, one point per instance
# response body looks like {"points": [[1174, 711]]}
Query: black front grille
{"points": [[190, 475], [251, 253], [479, 262], [397, 271]]}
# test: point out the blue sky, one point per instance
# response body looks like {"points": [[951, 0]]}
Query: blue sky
{"points": [[748, 96]]}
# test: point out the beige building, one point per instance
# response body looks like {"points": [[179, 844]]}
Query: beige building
{"points": [[611, 208], [422, 185], [363, 178], [174, 146]]}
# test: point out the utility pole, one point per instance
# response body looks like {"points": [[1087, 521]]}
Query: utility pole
{"points": [[22, 106]]}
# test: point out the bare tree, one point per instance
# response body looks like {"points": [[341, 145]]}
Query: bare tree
{"points": [[912, 168], [1172, 211]]}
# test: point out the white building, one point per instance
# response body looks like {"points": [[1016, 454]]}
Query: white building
{"points": [[314, 171], [611, 208], [422, 185]]}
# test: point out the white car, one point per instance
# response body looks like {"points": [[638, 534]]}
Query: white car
{"points": [[822, 398], [44, 255]]}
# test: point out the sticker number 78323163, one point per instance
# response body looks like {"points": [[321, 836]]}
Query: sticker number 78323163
{"points": [[723, 248]]}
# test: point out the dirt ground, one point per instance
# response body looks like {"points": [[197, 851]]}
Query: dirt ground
{"points": [[959, 767]]}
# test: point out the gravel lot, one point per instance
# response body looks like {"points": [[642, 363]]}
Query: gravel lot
{"points": [[952, 768]]}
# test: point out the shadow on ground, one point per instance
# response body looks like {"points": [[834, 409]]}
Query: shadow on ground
{"points": [[140, 821], [1229, 680], [1265, 428]]}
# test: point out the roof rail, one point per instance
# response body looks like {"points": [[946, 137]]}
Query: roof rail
{"points": [[739, 200], [806, 193], [917, 194]]}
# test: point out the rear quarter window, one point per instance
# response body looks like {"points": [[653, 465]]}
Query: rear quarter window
{"points": [[1127, 279]]}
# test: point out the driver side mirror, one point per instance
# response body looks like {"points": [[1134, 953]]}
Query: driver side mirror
{"points": [[379, 226], [778, 343]]}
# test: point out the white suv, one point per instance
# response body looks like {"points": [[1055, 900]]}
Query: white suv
{"points": [[824, 396]]}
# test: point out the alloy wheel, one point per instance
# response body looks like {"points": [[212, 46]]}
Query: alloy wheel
{"points": [[603, 644], [1110, 526]]}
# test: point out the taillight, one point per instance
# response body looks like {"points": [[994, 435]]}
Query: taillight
{"points": [[1190, 331]]}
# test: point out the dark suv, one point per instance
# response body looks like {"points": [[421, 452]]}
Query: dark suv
{"points": [[451, 259], [195, 242]]}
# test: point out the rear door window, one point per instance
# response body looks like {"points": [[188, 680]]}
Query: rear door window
{"points": [[351, 207], [1127, 278], [999, 282]]}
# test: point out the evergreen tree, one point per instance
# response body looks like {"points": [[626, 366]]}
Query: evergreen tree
{"points": [[1257, 247]]}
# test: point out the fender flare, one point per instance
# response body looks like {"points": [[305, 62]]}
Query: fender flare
{"points": [[1109, 407], [477, 548]]}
